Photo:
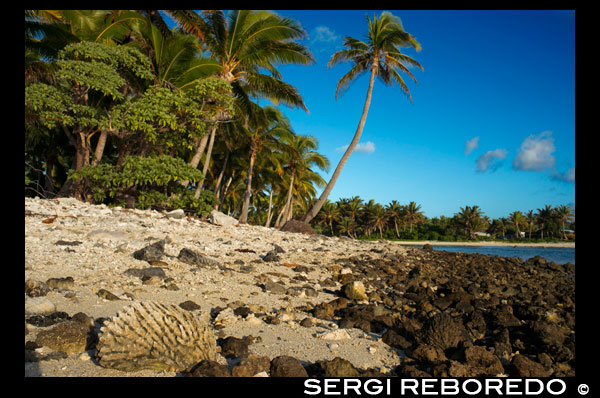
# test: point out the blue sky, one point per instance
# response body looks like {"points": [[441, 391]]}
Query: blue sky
{"points": [[492, 121]]}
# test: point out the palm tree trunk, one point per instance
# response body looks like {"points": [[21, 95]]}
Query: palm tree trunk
{"points": [[221, 174], [361, 124], [270, 212], [288, 201], [246, 204], [206, 163], [200, 145], [396, 227]]}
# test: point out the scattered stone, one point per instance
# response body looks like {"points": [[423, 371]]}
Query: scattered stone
{"points": [[355, 291], [340, 334], [483, 362], [60, 283], [70, 337], [189, 305], [297, 226], [443, 331], [233, 347], [39, 306], [105, 294], [152, 252], [218, 218], [209, 368], [191, 257], [36, 288], [176, 214], [47, 320], [252, 366], [146, 272], [339, 367], [521, 366], [286, 366], [274, 287], [271, 256], [67, 243]]}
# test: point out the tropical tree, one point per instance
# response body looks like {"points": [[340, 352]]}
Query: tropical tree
{"points": [[412, 214], [262, 137], [299, 157], [330, 213], [380, 55], [565, 215], [470, 217], [516, 218], [530, 221], [378, 218], [395, 213], [544, 218]]}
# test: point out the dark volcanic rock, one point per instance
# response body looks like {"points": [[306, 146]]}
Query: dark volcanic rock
{"points": [[286, 366], [151, 252], [339, 367], [297, 226], [233, 347], [207, 368], [521, 366], [443, 331]]}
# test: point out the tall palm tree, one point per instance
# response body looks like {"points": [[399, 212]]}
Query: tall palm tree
{"points": [[262, 137], [565, 214], [243, 44], [380, 55]]}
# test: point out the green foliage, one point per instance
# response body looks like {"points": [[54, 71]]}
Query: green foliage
{"points": [[154, 181]]}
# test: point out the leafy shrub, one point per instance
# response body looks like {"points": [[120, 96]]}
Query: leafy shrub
{"points": [[153, 181]]}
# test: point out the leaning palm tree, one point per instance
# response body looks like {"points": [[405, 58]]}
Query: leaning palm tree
{"points": [[380, 55]]}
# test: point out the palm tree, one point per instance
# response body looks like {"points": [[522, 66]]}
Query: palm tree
{"points": [[544, 217], [530, 218], [381, 56], [262, 137], [469, 217], [347, 225], [395, 213], [330, 213], [299, 157], [378, 218], [243, 44], [412, 214], [565, 214], [516, 218]]}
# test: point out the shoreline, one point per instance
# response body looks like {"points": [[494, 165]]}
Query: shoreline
{"points": [[489, 243]]}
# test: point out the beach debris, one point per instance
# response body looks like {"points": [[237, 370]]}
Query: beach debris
{"points": [[218, 218], [151, 335], [151, 252], [192, 257], [355, 291], [70, 337]]}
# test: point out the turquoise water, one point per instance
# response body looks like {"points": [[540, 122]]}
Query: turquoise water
{"points": [[559, 255]]}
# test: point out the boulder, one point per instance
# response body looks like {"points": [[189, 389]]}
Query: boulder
{"points": [[218, 218]]}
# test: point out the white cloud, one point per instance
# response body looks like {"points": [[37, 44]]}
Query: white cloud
{"points": [[367, 147], [491, 160], [323, 34], [536, 153], [567, 176], [471, 144]]}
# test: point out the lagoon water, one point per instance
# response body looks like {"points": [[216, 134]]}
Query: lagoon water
{"points": [[559, 255]]}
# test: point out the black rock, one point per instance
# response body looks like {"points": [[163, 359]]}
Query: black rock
{"points": [[152, 252]]}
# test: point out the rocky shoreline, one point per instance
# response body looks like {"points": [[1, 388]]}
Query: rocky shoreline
{"points": [[282, 303]]}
